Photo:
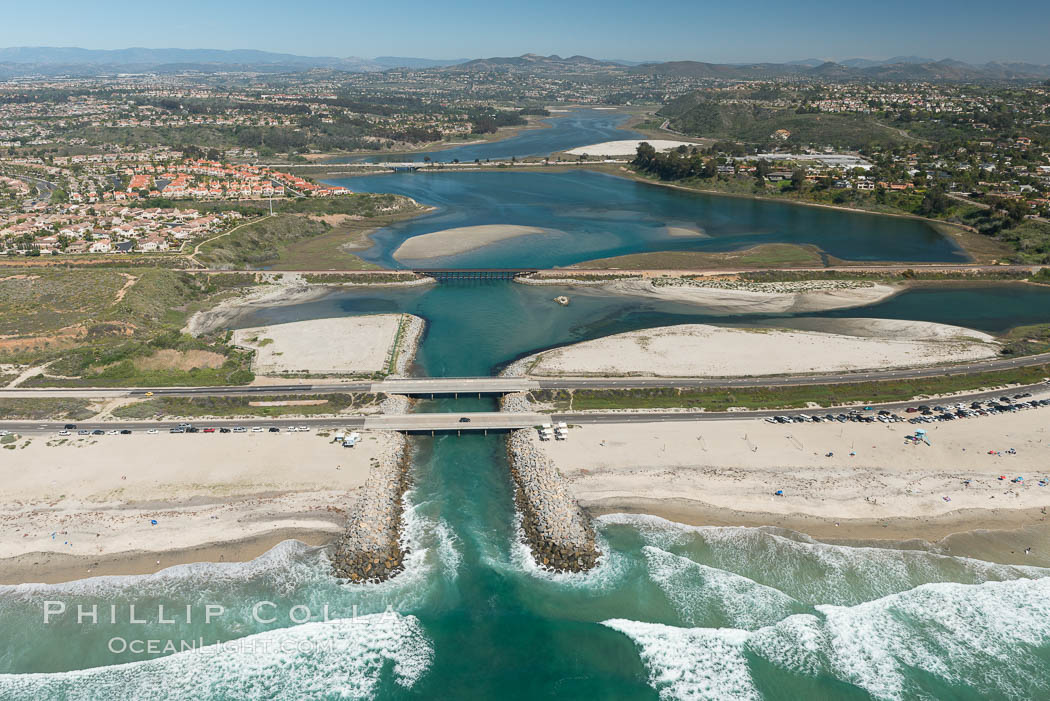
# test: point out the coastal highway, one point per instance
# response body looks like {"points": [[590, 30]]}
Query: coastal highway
{"points": [[503, 385], [484, 421]]}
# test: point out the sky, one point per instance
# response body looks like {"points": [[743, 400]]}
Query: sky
{"points": [[723, 31]]}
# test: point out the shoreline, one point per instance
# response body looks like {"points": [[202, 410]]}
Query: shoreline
{"points": [[43, 567], [934, 223], [280, 293], [896, 529], [502, 134]]}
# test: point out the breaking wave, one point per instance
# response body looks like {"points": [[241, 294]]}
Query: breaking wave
{"points": [[990, 638], [339, 658]]}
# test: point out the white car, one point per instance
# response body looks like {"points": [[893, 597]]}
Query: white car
{"points": [[257, 429], [112, 432], [152, 430], [63, 433], [240, 429], [304, 428]]}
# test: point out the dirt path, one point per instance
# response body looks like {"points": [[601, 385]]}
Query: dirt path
{"points": [[197, 248], [130, 280]]}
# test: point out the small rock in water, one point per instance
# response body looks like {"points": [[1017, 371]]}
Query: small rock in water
{"points": [[562, 300]]}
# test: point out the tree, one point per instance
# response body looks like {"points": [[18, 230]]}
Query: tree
{"points": [[934, 202], [798, 178]]}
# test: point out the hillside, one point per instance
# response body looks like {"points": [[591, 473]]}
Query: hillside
{"points": [[751, 124]]}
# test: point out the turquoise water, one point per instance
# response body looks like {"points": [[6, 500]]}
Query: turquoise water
{"points": [[561, 132], [592, 215], [505, 320], [671, 612]]}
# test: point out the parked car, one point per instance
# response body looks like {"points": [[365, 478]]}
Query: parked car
{"points": [[240, 429], [125, 431], [177, 429], [224, 430], [274, 429]]}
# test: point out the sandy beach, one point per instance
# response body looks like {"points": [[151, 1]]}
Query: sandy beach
{"points": [[461, 240], [354, 345], [88, 504], [703, 350], [727, 473]]}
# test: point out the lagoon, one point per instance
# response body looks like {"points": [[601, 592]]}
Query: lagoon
{"points": [[594, 215]]}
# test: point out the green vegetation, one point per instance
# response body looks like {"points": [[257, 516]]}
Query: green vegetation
{"points": [[43, 408], [768, 255], [1027, 340], [307, 233], [697, 115], [791, 397], [76, 320], [241, 406], [258, 243]]}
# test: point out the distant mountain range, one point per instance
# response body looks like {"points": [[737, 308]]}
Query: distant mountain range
{"points": [[52, 61], [900, 68], [28, 60]]}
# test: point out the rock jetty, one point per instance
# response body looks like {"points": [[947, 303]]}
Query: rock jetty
{"points": [[370, 548], [554, 526]]}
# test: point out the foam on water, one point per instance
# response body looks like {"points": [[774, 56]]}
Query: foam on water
{"points": [[982, 636], [811, 571], [287, 566], [990, 639], [692, 663], [609, 572], [701, 593], [339, 658]]}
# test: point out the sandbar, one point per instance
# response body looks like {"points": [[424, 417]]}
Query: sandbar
{"points": [[461, 240], [353, 345], [703, 350], [627, 147], [733, 297]]}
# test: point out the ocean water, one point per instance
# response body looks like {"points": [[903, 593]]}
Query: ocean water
{"points": [[590, 215]]}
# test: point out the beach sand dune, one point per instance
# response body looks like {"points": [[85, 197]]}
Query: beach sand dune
{"points": [[698, 350], [461, 240]]}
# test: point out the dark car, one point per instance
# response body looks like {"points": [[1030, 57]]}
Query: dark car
{"points": [[125, 431], [193, 429], [98, 432], [464, 419], [224, 430], [70, 426], [274, 429]]}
